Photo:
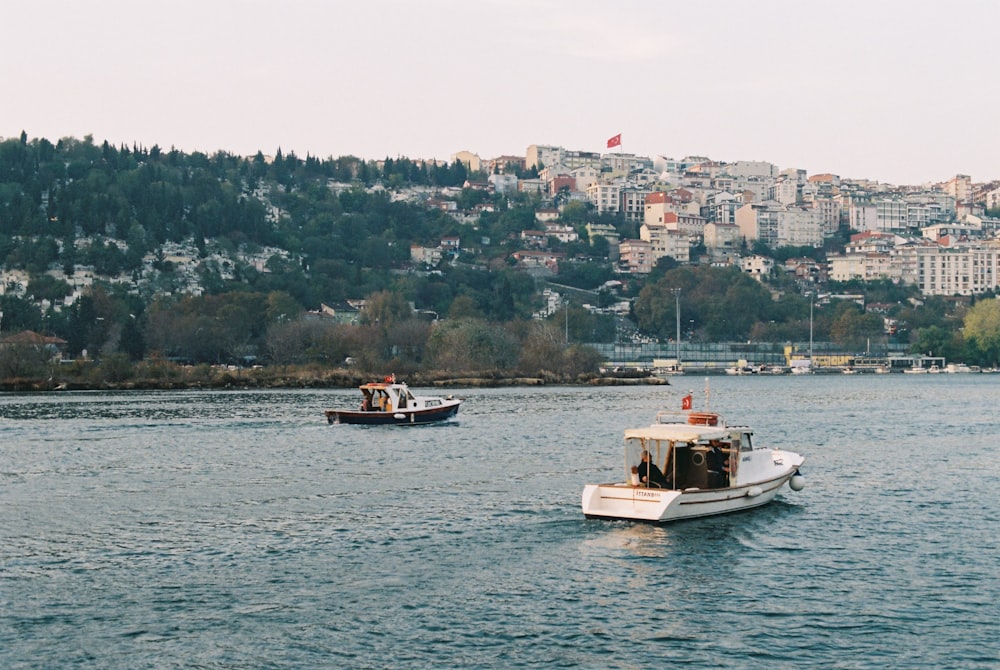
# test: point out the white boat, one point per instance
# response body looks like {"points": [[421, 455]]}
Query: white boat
{"points": [[744, 368], [703, 465], [957, 368], [802, 366], [392, 402]]}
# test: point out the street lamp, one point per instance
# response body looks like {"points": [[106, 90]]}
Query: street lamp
{"points": [[812, 299], [677, 313]]}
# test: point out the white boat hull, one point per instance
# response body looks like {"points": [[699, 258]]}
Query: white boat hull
{"points": [[637, 503]]}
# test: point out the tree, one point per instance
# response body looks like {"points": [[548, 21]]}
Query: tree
{"points": [[982, 326], [853, 328]]}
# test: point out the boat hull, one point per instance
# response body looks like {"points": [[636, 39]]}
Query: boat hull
{"points": [[634, 503], [401, 417]]}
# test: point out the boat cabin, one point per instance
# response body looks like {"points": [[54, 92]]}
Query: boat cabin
{"points": [[385, 397], [699, 455]]}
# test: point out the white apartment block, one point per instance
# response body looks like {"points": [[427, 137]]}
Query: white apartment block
{"points": [[799, 227], [861, 216], [531, 186], [786, 191], [623, 165], [890, 215], [503, 183], [759, 188], [827, 212], [605, 197], [779, 226], [865, 265], [579, 159], [543, 155], [691, 225], [992, 199], [758, 169], [540, 155], [722, 211], [936, 269], [988, 227], [585, 177], [922, 215], [562, 233], [939, 230], [723, 183], [666, 242], [960, 270], [550, 172]]}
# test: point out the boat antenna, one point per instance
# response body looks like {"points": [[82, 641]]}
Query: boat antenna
{"points": [[707, 395]]}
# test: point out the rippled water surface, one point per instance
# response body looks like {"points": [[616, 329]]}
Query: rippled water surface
{"points": [[237, 529]]}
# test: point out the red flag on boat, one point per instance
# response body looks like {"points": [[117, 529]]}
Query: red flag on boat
{"points": [[686, 402], [615, 141]]}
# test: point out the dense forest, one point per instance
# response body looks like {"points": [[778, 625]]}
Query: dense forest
{"points": [[339, 229]]}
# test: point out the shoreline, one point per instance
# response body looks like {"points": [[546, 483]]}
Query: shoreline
{"points": [[336, 380]]}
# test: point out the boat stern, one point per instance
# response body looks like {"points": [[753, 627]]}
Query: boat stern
{"points": [[624, 501]]}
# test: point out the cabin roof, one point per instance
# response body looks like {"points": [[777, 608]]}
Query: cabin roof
{"points": [[678, 432]]}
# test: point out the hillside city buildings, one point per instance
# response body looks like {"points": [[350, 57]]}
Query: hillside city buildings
{"points": [[935, 236]]}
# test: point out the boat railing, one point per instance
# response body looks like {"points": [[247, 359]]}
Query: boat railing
{"points": [[690, 417]]}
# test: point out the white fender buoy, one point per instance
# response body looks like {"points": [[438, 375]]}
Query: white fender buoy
{"points": [[797, 482], [754, 491], [399, 415]]}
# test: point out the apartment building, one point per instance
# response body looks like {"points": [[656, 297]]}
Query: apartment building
{"points": [[602, 230], [692, 225], [955, 270], [778, 226], [633, 202], [666, 241], [636, 256], [722, 239], [605, 197]]}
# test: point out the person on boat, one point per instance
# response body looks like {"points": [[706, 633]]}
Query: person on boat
{"points": [[649, 474], [718, 465]]}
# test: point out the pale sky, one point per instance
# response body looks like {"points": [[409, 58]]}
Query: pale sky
{"points": [[899, 91]]}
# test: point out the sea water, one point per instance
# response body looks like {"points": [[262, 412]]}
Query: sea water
{"points": [[236, 529]]}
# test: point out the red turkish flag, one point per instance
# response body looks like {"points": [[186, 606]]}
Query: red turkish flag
{"points": [[686, 402], [615, 141]]}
